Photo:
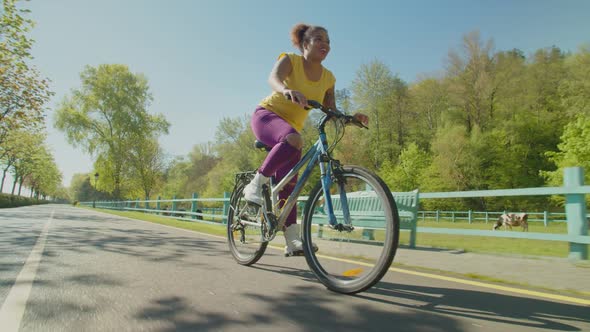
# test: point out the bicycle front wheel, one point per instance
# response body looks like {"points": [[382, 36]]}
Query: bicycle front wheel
{"points": [[355, 257], [245, 227]]}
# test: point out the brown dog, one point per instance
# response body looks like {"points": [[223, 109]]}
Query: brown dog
{"points": [[512, 219]]}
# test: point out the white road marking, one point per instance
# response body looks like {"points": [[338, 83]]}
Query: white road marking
{"points": [[13, 309]]}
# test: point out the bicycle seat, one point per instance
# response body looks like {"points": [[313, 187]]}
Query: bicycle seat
{"points": [[259, 145]]}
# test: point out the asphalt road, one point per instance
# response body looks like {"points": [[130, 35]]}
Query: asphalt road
{"points": [[70, 269]]}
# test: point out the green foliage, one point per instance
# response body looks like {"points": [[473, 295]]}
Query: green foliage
{"points": [[574, 150], [574, 89], [23, 93], [9, 201], [83, 189], [407, 174], [384, 97], [107, 116], [429, 99]]}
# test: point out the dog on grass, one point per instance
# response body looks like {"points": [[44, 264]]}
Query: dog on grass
{"points": [[512, 219]]}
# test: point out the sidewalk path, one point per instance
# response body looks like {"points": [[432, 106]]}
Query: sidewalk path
{"points": [[546, 272]]}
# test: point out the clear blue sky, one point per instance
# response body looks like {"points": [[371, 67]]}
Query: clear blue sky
{"points": [[206, 60]]}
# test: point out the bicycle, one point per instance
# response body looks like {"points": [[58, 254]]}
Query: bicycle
{"points": [[334, 218]]}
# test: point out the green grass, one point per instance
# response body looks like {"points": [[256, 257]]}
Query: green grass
{"points": [[194, 226], [482, 244], [535, 227]]}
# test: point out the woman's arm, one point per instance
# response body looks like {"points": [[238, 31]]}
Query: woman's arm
{"points": [[330, 99], [330, 102], [280, 71]]}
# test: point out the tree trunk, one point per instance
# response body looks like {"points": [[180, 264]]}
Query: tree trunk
{"points": [[3, 178], [14, 185], [20, 185]]}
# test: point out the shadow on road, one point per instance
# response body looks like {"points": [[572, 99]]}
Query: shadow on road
{"points": [[304, 308], [494, 307]]}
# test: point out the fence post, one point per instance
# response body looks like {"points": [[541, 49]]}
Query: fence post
{"points": [[437, 216], [158, 204], [487, 216], [575, 211], [173, 205], [453, 215], [226, 197], [194, 205], [469, 216], [147, 204], [545, 217]]}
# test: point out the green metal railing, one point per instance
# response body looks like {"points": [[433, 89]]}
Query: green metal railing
{"points": [[488, 216], [574, 190]]}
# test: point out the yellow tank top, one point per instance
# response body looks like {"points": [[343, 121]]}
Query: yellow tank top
{"points": [[294, 114]]}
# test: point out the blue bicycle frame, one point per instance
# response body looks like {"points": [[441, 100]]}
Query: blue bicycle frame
{"points": [[318, 153]]}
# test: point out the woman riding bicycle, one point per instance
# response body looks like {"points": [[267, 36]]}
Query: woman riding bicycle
{"points": [[279, 119]]}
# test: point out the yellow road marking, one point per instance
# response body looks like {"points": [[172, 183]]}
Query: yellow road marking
{"points": [[471, 282], [352, 273], [497, 287]]}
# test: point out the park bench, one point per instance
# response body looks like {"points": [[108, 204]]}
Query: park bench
{"points": [[366, 212]]}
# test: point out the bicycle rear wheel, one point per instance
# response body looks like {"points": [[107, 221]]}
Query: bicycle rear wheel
{"points": [[350, 261], [244, 226]]}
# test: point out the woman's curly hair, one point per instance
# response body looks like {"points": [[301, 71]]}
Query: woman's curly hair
{"points": [[302, 32]]}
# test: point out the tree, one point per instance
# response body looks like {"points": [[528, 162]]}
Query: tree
{"points": [[82, 190], [22, 92], [176, 176], [470, 81], [17, 152], [383, 96], [574, 89], [235, 148], [202, 161], [574, 150], [428, 101], [104, 117], [407, 174], [147, 161]]}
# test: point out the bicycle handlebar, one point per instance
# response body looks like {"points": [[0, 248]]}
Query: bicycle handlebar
{"points": [[333, 113]]}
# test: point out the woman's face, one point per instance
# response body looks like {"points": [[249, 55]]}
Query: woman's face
{"points": [[318, 45]]}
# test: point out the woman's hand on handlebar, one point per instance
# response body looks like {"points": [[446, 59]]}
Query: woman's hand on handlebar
{"points": [[362, 118], [296, 97]]}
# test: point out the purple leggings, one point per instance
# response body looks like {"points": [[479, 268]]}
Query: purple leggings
{"points": [[272, 130]]}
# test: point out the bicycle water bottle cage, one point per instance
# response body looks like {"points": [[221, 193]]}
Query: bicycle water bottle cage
{"points": [[259, 145]]}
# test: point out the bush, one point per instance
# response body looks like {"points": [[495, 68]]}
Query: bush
{"points": [[8, 201]]}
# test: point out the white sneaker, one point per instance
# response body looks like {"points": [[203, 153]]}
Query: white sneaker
{"points": [[294, 245], [253, 190]]}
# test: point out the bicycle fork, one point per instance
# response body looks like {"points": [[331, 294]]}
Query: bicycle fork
{"points": [[327, 180]]}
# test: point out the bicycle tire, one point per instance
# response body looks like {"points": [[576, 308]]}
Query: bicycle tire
{"points": [[249, 247], [351, 262]]}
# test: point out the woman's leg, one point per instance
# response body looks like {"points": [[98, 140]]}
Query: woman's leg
{"points": [[286, 144], [276, 133], [288, 189]]}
